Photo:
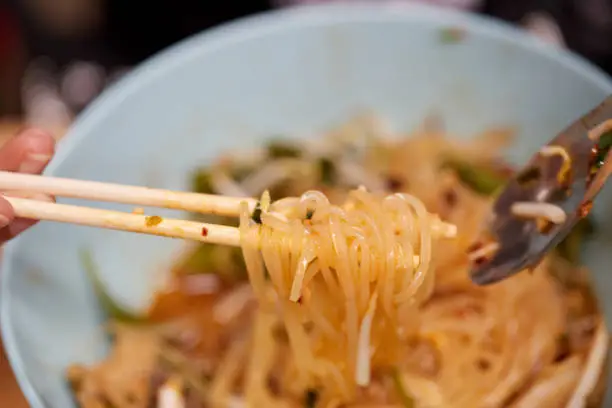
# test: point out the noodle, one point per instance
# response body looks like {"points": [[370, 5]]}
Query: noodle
{"points": [[549, 212], [566, 166], [596, 359], [347, 297], [384, 230], [363, 374]]}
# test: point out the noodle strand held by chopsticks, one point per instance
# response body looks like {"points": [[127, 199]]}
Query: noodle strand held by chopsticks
{"points": [[338, 269], [364, 352]]}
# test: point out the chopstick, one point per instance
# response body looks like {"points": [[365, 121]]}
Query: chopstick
{"points": [[117, 220], [118, 193], [140, 196]]}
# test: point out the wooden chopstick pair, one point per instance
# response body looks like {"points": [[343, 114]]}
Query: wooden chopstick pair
{"points": [[117, 220], [137, 196]]}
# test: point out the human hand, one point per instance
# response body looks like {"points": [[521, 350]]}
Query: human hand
{"points": [[28, 152]]}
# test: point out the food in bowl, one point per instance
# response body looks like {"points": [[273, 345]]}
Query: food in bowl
{"points": [[226, 332]]}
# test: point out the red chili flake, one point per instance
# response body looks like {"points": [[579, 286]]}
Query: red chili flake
{"points": [[299, 301], [204, 232]]}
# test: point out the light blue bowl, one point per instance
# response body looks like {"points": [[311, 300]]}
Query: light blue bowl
{"points": [[290, 72]]}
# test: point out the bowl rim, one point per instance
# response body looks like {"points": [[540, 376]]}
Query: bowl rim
{"points": [[246, 29]]}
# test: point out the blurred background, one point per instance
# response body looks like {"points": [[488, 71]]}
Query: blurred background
{"points": [[57, 55]]}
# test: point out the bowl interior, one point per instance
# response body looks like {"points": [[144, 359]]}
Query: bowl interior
{"points": [[291, 73]]}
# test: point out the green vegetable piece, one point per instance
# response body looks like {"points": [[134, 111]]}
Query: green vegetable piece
{"points": [[571, 247], [201, 182], [603, 147], [481, 179], [328, 171], [112, 309], [405, 399], [310, 398], [309, 214], [280, 149], [256, 216]]}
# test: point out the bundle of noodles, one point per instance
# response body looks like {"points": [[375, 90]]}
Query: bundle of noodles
{"points": [[503, 333], [342, 308], [347, 278]]}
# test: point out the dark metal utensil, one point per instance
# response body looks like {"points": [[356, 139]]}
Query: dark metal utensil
{"points": [[568, 172]]}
